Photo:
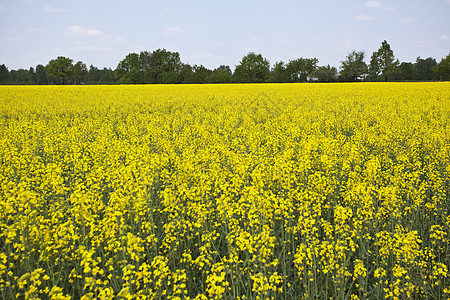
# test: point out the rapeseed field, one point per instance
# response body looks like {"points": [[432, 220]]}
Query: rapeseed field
{"points": [[274, 191]]}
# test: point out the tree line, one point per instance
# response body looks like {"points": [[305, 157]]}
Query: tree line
{"points": [[163, 67]]}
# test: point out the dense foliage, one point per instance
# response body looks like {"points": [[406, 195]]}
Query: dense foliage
{"points": [[165, 67], [225, 191]]}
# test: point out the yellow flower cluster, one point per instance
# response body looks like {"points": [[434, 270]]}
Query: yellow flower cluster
{"points": [[270, 191]]}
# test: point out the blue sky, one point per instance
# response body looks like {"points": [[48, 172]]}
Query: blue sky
{"points": [[212, 33]]}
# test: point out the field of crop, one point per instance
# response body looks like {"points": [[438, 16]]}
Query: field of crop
{"points": [[225, 191]]}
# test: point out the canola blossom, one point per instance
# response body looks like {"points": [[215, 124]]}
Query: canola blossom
{"points": [[270, 191]]}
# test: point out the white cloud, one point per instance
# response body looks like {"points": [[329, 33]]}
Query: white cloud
{"points": [[83, 31], [173, 30], [93, 32], [50, 8], [444, 37], [363, 18], [375, 4], [407, 20], [448, 1], [2, 8]]}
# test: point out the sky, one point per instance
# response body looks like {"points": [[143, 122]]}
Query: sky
{"points": [[214, 33]]}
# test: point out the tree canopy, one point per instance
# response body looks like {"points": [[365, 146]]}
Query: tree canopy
{"points": [[442, 69], [325, 74], [353, 68], [299, 70], [425, 68], [221, 74], [59, 69], [382, 63], [162, 66], [252, 68]]}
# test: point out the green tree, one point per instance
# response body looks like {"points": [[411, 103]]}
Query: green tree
{"points": [[19, 76], [442, 69], [93, 75], [353, 68], [165, 66], [325, 74], [145, 66], [32, 75], [100, 76], [186, 73], [22, 76], [279, 73], [128, 69], [200, 74], [79, 71], [425, 68], [59, 69], [382, 63], [299, 69], [221, 74], [160, 66], [4, 74], [41, 75], [107, 76], [406, 71], [252, 68], [374, 68]]}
